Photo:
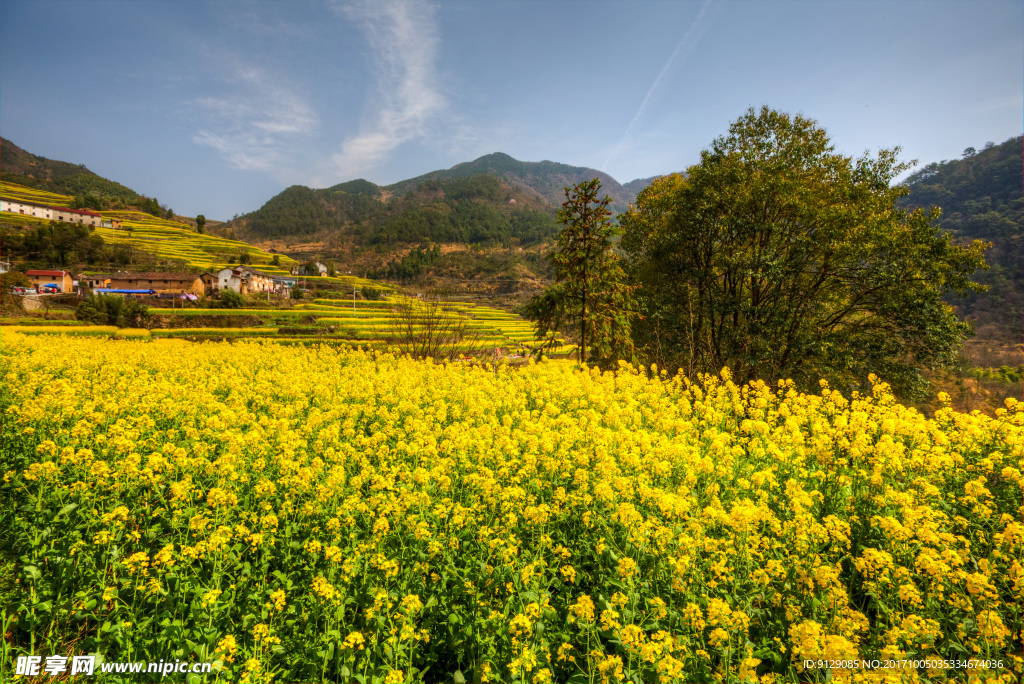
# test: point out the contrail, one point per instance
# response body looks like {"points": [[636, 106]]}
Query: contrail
{"points": [[688, 41]]}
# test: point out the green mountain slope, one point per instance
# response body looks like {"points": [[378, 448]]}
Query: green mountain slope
{"points": [[449, 205], [982, 198], [471, 209], [24, 168], [635, 186], [299, 210], [545, 178]]}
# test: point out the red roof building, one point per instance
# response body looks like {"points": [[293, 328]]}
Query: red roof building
{"points": [[84, 212], [62, 279], [46, 273]]}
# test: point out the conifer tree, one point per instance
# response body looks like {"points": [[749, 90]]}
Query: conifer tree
{"points": [[590, 298]]}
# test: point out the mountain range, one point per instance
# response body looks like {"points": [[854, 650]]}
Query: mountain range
{"points": [[493, 197]]}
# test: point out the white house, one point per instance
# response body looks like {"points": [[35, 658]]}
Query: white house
{"points": [[244, 280], [83, 216], [232, 278], [26, 209]]}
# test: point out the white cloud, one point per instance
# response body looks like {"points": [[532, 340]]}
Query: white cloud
{"points": [[252, 126], [404, 40]]}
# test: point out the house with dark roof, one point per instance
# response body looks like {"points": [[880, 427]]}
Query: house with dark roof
{"points": [[93, 281], [173, 283]]}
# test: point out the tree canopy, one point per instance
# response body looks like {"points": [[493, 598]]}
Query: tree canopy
{"points": [[60, 245], [778, 257]]}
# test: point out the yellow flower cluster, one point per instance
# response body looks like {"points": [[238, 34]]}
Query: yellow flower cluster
{"points": [[317, 514]]}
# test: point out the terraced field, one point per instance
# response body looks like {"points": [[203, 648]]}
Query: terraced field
{"points": [[23, 193], [162, 238], [324, 320], [332, 321]]}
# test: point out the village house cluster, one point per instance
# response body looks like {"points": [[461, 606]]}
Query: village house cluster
{"points": [[245, 280], [83, 216], [241, 279]]}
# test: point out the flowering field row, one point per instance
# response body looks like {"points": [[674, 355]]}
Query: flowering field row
{"points": [[271, 313], [24, 219], [58, 328], [25, 321], [381, 321], [232, 332], [161, 237], [23, 193], [334, 515]]}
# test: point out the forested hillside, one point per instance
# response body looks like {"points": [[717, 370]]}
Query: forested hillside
{"points": [[448, 205], [982, 198], [299, 210], [473, 209], [90, 191], [545, 178], [34, 171]]}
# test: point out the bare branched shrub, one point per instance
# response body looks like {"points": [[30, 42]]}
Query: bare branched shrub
{"points": [[431, 329]]}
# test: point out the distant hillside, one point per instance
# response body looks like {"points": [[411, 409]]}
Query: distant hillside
{"points": [[635, 186], [87, 189], [458, 204], [467, 209], [982, 197], [24, 168], [546, 178], [299, 211]]}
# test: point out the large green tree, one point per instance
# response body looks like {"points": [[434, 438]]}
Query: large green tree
{"points": [[590, 297], [778, 257]]}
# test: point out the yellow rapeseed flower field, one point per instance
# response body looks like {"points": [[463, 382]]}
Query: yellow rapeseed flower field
{"points": [[302, 515]]}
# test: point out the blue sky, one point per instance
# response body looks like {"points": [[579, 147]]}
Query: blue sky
{"points": [[214, 107]]}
